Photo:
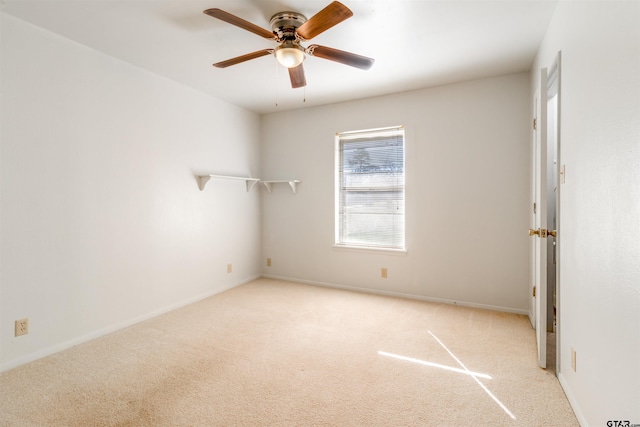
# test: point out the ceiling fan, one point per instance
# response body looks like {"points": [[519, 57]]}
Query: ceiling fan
{"points": [[290, 29]]}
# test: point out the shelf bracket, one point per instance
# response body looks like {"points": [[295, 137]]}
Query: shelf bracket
{"points": [[292, 183], [203, 179]]}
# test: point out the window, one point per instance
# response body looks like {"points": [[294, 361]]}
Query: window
{"points": [[370, 188]]}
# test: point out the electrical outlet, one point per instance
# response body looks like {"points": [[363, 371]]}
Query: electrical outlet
{"points": [[383, 273], [22, 327], [229, 268], [573, 359], [268, 262]]}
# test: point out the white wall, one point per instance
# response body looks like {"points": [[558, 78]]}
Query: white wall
{"points": [[102, 220], [600, 205], [467, 148]]}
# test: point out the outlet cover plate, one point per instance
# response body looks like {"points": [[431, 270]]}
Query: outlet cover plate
{"points": [[22, 327]]}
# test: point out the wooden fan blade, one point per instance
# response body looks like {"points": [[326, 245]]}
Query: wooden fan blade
{"points": [[331, 15], [340, 56], [296, 75], [239, 22], [243, 58]]}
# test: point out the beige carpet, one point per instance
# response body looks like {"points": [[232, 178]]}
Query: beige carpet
{"points": [[273, 353]]}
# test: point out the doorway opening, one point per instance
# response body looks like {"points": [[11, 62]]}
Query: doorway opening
{"points": [[553, 206]]}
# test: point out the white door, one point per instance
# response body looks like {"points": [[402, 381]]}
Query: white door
{"points": [[539, 229], [532, 217]]}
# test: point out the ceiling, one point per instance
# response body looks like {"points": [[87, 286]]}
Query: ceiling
{"points": [[416, 43]]}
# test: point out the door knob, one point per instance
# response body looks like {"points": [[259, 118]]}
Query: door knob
{"points": [[542, 232]]}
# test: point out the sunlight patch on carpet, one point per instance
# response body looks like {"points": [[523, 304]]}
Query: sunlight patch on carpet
{"points": [[434, 365], [491, 395]]}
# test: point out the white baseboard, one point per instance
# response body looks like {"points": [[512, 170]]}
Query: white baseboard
{"points": [[113, 328], [104, 331], [572, 400], [401, 295]]}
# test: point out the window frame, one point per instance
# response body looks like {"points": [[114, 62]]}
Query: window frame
{"points": [[339, 242]]}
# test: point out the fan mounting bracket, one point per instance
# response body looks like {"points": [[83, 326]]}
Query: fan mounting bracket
{"points": [[284, 25]]}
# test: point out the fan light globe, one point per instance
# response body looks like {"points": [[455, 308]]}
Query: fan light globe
{"points": [[289, 56]]}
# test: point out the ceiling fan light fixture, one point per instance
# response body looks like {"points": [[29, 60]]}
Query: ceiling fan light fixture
{"points": [[289, 54], [289, 29]]}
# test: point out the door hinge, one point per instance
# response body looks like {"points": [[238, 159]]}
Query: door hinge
{"points": [[535, 124], [534, 291]]}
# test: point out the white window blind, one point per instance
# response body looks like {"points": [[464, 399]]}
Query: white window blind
{"points": [[370, 188]]}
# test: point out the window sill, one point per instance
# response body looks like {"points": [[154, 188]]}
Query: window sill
{"points": [[369, 249]]}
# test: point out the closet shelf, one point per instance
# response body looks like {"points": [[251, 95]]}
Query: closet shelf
{"points": [[203, 179], [250, 182], [292, 183]]}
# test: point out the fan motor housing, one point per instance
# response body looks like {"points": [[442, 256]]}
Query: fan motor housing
{"points": [[284, 24]]}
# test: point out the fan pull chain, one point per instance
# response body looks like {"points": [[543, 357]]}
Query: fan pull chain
{"points": [[277, 80]]}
